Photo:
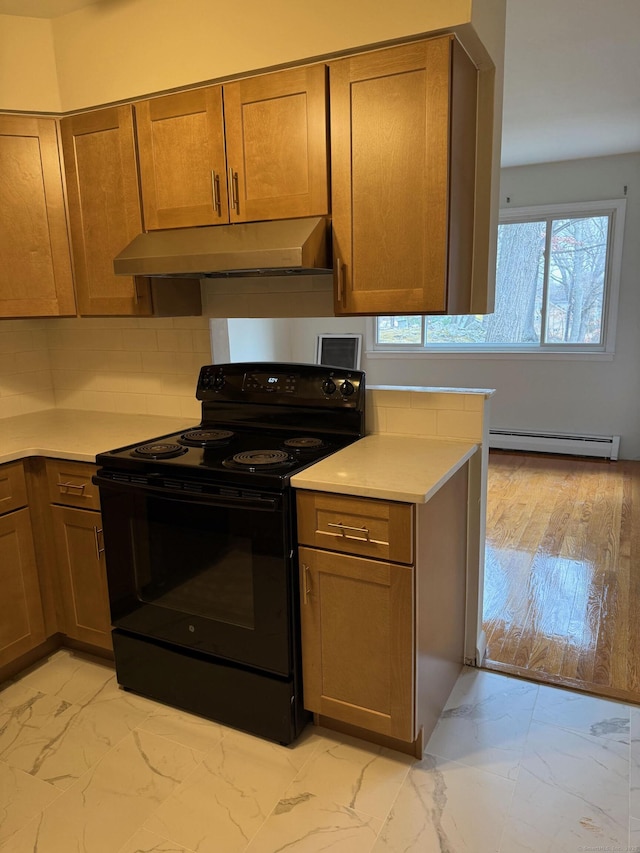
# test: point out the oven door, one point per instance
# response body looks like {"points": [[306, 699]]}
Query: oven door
{"points": [[212, 573]]}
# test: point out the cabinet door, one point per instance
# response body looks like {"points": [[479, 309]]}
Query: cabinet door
{"points": [[394, 179], [104, 208], [357, 641], [82, 573], [22, 622], [35, 265], [182, 162], [276, 141]]}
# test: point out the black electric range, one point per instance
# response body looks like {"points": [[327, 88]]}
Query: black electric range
{"points": [[200, 542]]}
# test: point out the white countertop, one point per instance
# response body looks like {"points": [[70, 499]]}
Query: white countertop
{"points": [[392, 467], [79, 435]]}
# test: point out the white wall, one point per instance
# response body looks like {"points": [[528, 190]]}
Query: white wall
{"points": [[259, 339]]}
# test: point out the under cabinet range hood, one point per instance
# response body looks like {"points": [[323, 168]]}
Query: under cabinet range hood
{"points": [[278, 247]]}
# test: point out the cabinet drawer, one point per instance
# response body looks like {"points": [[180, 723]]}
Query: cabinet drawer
{"points": [[70, 484], [13, 487], [361, 526]]}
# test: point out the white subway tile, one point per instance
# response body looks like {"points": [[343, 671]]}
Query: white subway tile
{"points": [[460, 425], [411, 421]]}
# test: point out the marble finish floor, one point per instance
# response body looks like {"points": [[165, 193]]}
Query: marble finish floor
{"points": [[512, 766]]}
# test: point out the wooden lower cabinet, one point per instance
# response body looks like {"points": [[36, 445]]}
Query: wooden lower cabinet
{"points": [[358, 641], [21, 621], [82, 575], [382, 602]]}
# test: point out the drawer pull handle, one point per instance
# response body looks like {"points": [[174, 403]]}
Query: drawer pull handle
{"points": [[69, 487], [97, 532], [344, 527], [307, 583]]}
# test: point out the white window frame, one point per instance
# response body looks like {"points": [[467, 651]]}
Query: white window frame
{"points": [[616, 208]]}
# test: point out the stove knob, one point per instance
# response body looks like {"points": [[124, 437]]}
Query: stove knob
{"points": [[347, 389], [218, 383], [328, 386]]}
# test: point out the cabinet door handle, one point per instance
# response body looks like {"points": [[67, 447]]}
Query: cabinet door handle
{"points": [[233, 186], [69, 487], [97, 532], [344, 527], [215, 188], [307, 583]]}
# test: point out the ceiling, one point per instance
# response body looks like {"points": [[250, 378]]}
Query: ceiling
{"points": [[572, 75]]}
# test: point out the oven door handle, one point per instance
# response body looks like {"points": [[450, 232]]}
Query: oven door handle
{"points": [[271, 504]]}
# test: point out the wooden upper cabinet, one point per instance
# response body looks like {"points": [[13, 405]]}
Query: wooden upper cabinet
{"points": [[104, 209], [403, 147], [276, 141], [35, 264], [275, 165], [182, 162]]}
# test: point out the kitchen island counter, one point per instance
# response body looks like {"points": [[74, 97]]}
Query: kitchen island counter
{"points": [[79, 435], [391, 467]]}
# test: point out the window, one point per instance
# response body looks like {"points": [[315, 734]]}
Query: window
{"points": [[557, 277]]}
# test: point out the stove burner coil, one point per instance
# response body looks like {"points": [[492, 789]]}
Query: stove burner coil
{"points": [[206, 437], [253, 460], [305, 442], [159, 450]]}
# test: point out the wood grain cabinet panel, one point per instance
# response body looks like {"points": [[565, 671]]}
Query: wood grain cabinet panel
{"points": [[182, 159], [13, 487], [82, 575], [361, 526], [22, 620], [22, 625], [105, 212], [403, 148], [358, 641], [35, 263], [267, 159], [69, 483], [79, 550], [276, 141]]}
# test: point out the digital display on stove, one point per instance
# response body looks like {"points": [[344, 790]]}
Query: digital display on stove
{"points": [[271, 383]]}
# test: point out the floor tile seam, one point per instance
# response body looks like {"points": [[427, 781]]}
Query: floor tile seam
{"points": [[365, 817], [335, 802], [161, 835], [33, 819], [296, 779], [480, 768], [595, 739], [205, 752], [571, 730], [508, 812], [394, 801], [21, 772]]}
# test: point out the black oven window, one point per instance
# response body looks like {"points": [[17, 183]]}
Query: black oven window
{"points": [[203, 563]]}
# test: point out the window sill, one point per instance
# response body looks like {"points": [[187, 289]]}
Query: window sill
{"points": [[495, 355]]}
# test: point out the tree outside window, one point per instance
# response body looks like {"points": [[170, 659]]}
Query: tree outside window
{"points": [[552, 287]]}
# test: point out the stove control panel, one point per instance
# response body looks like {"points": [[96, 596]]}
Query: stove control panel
{"points": [[283, 384]]}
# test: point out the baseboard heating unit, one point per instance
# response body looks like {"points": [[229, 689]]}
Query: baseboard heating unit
{"points": [[602, 446]]}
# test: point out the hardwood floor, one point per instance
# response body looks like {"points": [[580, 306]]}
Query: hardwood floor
{"points": [[562, 575]]}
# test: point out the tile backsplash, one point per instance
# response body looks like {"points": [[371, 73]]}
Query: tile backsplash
{"points": [[430, 412], [127, 365], [26, 384]]}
